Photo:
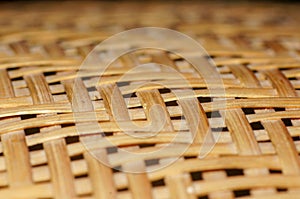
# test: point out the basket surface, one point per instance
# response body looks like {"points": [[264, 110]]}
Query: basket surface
{"points": [[256, 49]]}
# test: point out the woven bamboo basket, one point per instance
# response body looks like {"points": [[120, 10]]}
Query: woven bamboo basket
{"points": [[256, 51]]}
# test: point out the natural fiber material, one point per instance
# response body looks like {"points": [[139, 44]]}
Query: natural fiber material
{"points": [[256, 48]]}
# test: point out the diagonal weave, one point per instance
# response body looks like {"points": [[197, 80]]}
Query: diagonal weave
{"points": [[256, 48]]}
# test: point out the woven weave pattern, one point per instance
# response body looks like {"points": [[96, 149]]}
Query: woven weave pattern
{"points": [[256, 49]]}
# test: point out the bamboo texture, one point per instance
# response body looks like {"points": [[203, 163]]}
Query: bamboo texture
{"points": [[256, 49]]}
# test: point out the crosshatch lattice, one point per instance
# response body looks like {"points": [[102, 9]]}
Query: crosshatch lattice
{"points": [[256, 51]]}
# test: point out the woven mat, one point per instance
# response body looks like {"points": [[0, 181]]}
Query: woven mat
{"points": [[256, 50]]}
